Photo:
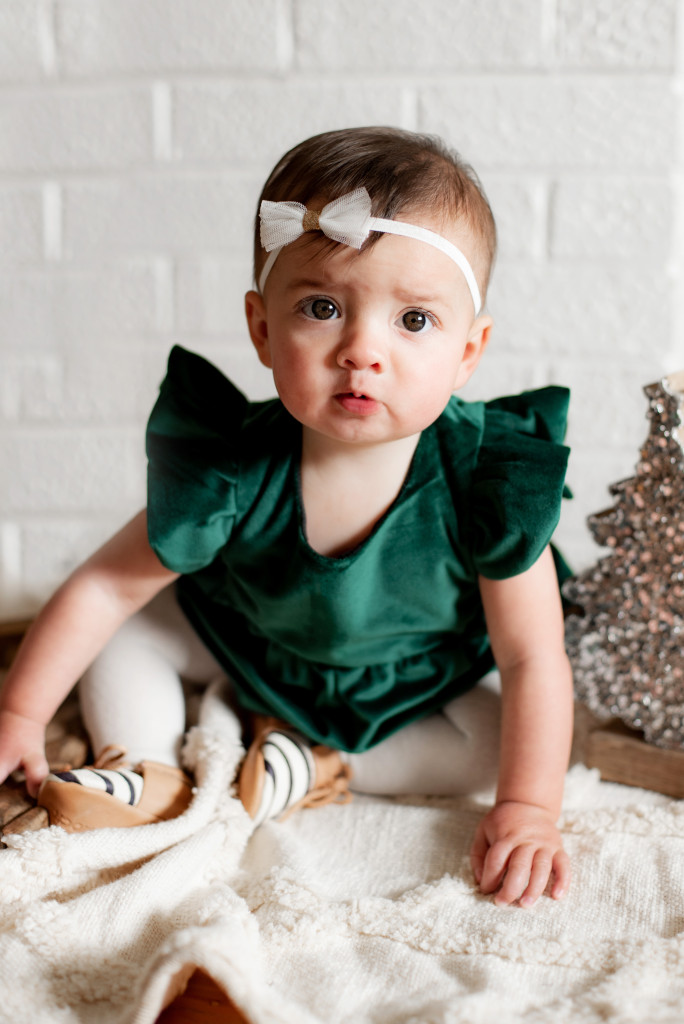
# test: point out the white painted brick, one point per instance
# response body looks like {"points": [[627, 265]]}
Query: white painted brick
{"points": [[67, 470], [417, 38], [613, 218], [95, 384], [519, 209], [20, 40], [31, 385], [27, 301], [210, 296], [15, 600], [570, 310], [97, 37], [616, 33], [608, 408], [575, 542], [70, 129], [120, 386], [113, 385], [247, 123], [159, 215], [48, 310], [501, 372], [52, 550], [569, 123], [21, 224]]}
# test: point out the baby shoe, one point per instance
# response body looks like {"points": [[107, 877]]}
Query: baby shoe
{"points": [[110, 794], [281, 772]]}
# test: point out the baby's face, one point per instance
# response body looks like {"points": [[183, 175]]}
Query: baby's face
{"points": [[366, 348]]}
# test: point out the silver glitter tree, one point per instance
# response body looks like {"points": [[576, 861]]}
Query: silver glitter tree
{"points": [[625, 635]]}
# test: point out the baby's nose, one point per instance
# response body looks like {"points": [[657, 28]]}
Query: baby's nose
{"points": [[361, 350]]}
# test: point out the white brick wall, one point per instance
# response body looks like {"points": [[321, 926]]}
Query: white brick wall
{"points": [[24, 40], [134, 138]]}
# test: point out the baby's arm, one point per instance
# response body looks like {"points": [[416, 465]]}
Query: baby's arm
{"points": [[70, 631], [517, 845]]}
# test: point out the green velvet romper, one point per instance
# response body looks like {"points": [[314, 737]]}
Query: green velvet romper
{"points": [[352, 648]]}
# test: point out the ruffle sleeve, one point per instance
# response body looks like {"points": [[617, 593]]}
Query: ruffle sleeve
{"points": [[518, 480], [191, 444]]}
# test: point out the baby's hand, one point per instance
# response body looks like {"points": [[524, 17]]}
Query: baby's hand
{"points": [[22, 745], [518, 847]]}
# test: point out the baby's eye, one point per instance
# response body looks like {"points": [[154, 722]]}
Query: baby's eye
{"points": [[417, 321], [320, 309]]}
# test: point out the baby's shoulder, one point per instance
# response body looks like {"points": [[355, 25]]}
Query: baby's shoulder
{"points": [[510, 419], [517, 479], [492, 452], [198, 392], [198, 400]]}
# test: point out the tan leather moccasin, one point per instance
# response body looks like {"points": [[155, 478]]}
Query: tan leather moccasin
{"points": [[166, 793]]}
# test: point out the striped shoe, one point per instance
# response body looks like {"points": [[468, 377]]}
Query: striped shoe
{"points": [[281, 772], [111, 794]]}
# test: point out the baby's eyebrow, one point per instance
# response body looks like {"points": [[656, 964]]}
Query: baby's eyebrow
{"points": [[313, 284], [419, 300]]}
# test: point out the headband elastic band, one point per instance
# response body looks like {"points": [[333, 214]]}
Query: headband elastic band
{"points": [[347, 220]]}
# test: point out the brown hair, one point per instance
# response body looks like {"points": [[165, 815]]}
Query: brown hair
{"points": [[400, 170]]}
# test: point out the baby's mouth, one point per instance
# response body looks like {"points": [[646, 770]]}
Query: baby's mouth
{"points": [[357, 402]]}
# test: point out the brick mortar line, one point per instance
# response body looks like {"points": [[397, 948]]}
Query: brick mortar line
{"points": [[36, 429], [350, 76], [48, 39], [286, 38], [152, 171], [60, 517], [248, 173], [33, 181], [162, 110], [549, 30], [53, 223]]}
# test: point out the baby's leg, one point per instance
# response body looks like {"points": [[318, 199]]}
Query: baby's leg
{"points": [[132, 695], [452, 753]]}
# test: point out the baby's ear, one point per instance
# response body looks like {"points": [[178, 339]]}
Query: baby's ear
{"points": [[255, 311], [478, 336]]}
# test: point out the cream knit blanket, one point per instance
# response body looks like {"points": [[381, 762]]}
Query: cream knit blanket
{"points": [[365, 913]]}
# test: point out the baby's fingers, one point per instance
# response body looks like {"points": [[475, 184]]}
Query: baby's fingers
{"points": [[35, 770], [495, 865], [539, 877], [478, 853], [519, 872], [542, 865], [562, 875]]}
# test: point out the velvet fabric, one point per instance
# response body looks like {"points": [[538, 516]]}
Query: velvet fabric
{"points": [[346, 649]]}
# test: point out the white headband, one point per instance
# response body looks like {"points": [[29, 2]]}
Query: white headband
{"points": [[346, 220]]}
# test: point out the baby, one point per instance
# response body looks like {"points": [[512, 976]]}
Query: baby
{"points": [[357, 555]]}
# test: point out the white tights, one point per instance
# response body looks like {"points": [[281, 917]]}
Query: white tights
{"points": [[133, 696]]}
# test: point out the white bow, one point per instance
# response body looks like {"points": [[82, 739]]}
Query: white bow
{"points": [[345, 220]]}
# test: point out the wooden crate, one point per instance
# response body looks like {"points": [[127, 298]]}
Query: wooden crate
{"points": [[203, 1002], [622, 755]]}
